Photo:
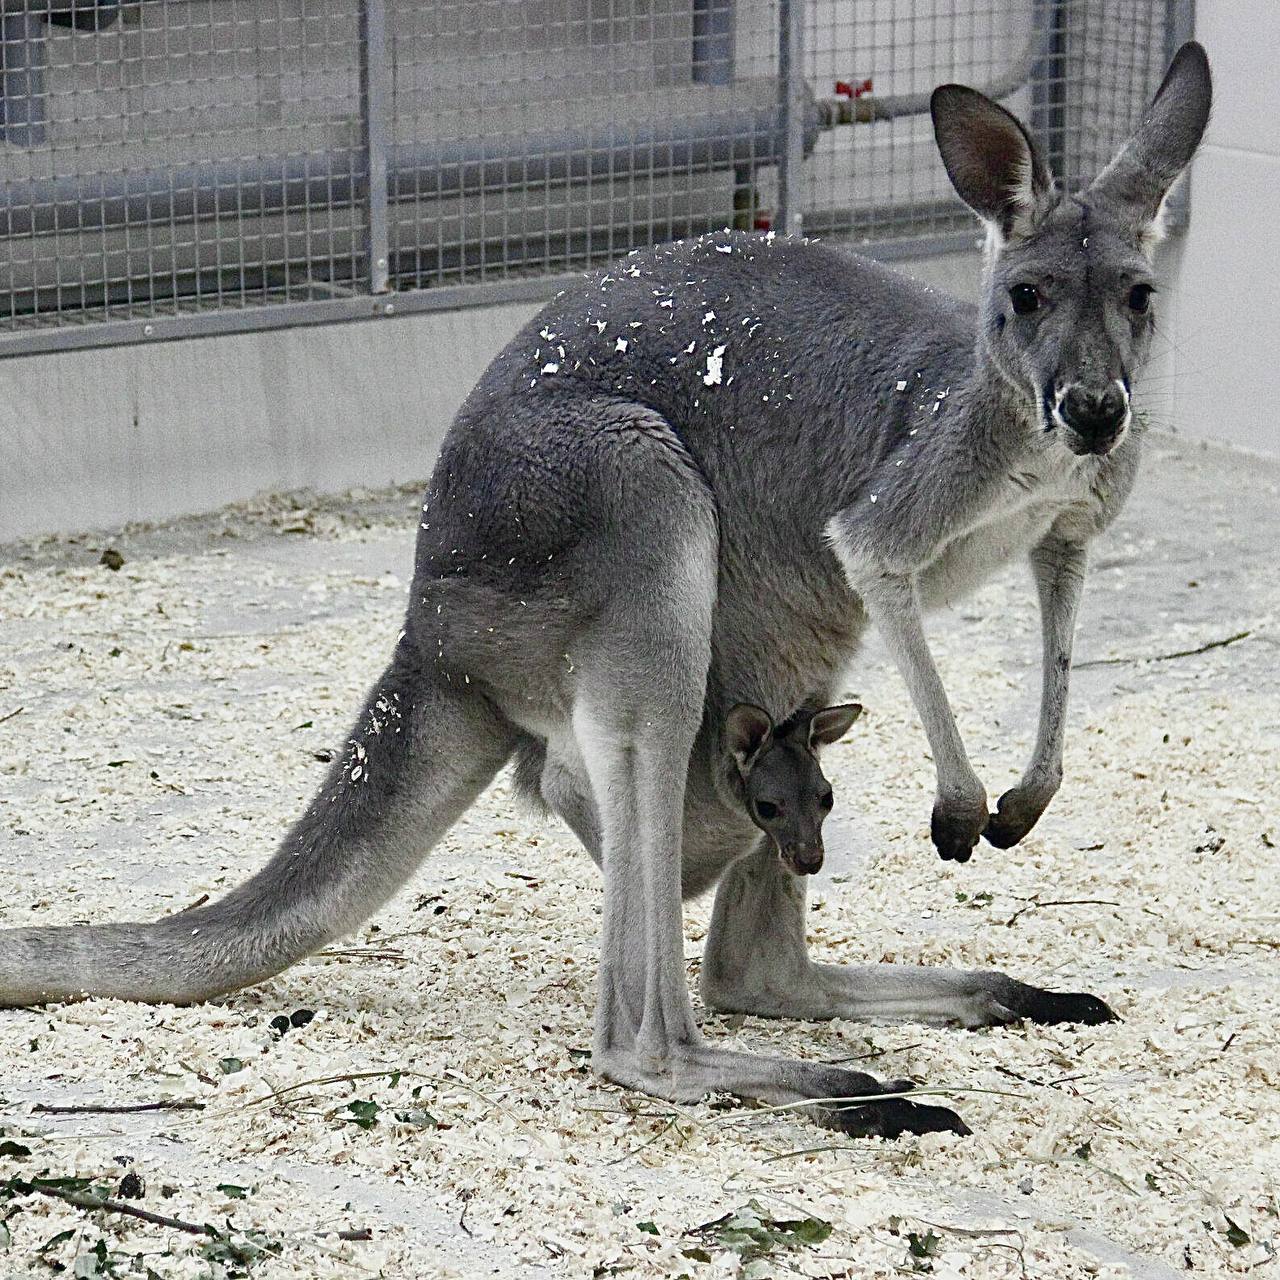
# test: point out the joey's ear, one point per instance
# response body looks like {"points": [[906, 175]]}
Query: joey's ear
{"points": [[991, 161], [747, 731], [1139, 178], [832, 723]]}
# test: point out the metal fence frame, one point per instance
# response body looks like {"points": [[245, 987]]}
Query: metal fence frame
{"points": [[373, 294]]}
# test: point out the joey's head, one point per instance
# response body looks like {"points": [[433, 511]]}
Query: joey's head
{"points": [[1068, 309], [778, 777]]}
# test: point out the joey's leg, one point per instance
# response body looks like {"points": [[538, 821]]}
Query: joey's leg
{"points": [[960, 807], [1058, 566], [567, 792], [639, 687], [757, 961]]}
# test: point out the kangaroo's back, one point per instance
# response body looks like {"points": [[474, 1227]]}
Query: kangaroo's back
{"points": [[733, 332]]}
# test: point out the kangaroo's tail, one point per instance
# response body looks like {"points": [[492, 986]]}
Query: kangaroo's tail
{"points": [[419, 754]]}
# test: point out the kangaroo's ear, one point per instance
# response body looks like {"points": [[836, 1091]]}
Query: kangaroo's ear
{"points": [[991, 161], [747, 731], [1139, 178], [832, 723]]}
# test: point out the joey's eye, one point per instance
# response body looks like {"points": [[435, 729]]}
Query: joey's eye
{"points": [[1025, 299], [1140, 298], [826, 802], [766, 810]]}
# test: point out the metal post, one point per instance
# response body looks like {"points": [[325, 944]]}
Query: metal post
{"points": [[1180, 26], [1049, 88], [791, 17], [374, 80]]}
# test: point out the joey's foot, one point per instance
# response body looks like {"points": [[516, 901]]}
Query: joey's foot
{"points": [[891, 1118], [1049, 1007], [957, 826], [1017, 811]]}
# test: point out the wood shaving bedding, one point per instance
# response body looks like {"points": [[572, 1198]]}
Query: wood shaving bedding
{"points": [[441, 1099]]}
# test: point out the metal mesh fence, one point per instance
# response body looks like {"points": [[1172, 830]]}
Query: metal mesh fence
{"points": [[188, 166]]}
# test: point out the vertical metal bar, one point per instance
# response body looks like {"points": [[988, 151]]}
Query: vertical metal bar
{"points": [[374, 81], [791, 86], [1049, 88], [1180, 25]]}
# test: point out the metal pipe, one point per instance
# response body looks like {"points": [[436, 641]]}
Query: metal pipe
{"points": [[834, 112], [702, 127]]}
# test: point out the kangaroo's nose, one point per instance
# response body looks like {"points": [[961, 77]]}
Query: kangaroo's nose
{"points": [[1095, 414], [803, 859]]}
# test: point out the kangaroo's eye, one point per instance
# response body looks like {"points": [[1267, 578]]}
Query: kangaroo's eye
{"points": [[766, 810], [1025, 299], [1140, 298], [826, 802]]}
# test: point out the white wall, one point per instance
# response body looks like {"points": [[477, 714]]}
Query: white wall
{"points": [[1218, 373], [95, 438]]}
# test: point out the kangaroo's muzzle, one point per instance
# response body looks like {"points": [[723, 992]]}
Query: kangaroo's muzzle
{"points": [[802, 859]]}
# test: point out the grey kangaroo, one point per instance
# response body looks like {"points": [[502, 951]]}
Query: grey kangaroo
{"points": [[774, 770], [692, 482]]}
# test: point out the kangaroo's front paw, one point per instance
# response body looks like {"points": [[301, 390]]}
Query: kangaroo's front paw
{"points": [[958, 825], [1017, 811]]}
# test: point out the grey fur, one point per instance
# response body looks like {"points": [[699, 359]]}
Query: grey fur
{"points": [[691, 483]]}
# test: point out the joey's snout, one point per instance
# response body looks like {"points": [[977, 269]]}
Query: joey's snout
{"points": [[1092, 418], [802, 858]]}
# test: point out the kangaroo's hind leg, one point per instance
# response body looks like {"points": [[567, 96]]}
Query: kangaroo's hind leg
{"points": [[757, 961], [640, 681]]}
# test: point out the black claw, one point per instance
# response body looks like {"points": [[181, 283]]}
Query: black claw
{"points": [[1000, 834], [1051, 1007], [893, 1117], [953, 840]]}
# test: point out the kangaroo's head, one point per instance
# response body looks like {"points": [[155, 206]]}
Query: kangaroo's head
{"points": [[1068, 310], [779, 780]]}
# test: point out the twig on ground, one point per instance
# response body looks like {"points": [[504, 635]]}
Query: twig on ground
{"points": [[1034, 903], [16, 711], [361, 953], [91, 1109], [875, 1053], [96, 1204], [672, 1123], [349, 1077], [1056, 1160], [1165, 657], [1043, 1084], [807, 1151], [104, 1204], [1255, 942]]}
